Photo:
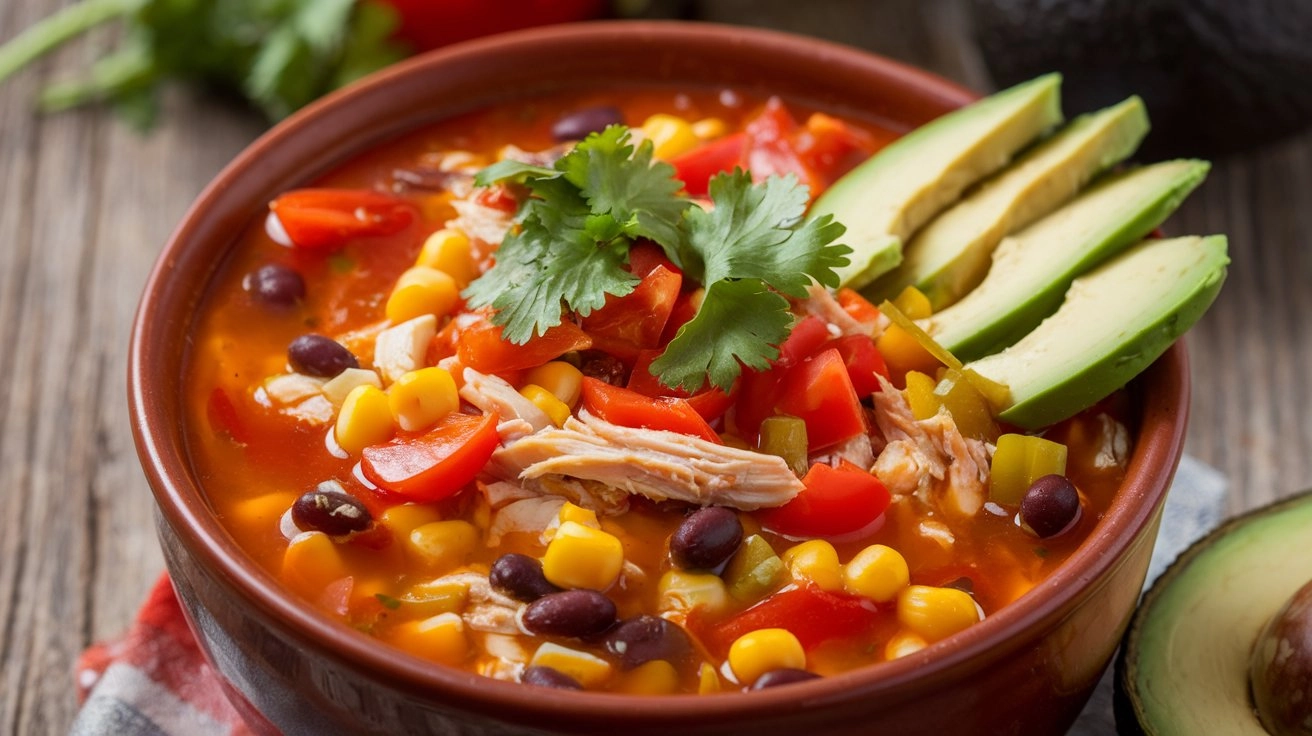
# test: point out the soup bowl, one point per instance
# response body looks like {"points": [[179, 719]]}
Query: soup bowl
{"points": [[1028, 669]]}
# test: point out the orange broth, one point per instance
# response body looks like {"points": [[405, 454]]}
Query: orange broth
{"points": [[254, 462]]}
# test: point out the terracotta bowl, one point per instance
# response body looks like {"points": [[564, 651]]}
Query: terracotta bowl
{"points": [[1026, 670]]}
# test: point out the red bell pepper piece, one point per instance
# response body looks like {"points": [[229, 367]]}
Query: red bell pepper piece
{"points": [[436, 464], [711, 403], [631, 409], [835, 502], [480, 346], [320, 219], [813, 615], [863, 361], [635, 321], [819, 391], [696, 167]]}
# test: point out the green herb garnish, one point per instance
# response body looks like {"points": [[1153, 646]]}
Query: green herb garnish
{"points": [[388, 601], [750, 250]]}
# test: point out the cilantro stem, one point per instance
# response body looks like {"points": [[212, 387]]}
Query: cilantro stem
{"points": [[54, 30], [113, 74]]}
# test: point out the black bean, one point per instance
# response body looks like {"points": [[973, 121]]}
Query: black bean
{"points": [[548, 677], [316, 355], [520, 577], [603, 367], [275, 285], [1049, 506], [785, 676], [644, 638], [706, 539], [577, 613], [330, 510], [575, 126]]}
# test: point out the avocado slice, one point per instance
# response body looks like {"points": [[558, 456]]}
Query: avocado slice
{"points": [[1115, 321], [1184, 663], [1032, 269], [950, 255], [897, 190]]}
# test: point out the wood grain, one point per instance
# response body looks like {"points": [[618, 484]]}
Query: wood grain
{"points": [[85, 205]]}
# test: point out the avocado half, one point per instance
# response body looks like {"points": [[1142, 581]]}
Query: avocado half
{"points": [[1184, 664]]}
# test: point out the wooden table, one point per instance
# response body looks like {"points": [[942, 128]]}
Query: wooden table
{"points": [[86, 203]]}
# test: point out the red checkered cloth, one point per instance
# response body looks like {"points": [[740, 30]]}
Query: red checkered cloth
{"points": [[153, 681]]}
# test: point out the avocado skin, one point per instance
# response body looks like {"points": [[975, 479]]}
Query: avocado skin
{"points": [[1217, 75], [1132, 713]]}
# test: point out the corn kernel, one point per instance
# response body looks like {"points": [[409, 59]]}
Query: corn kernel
{"points": [[708, 128], [440, 638], [311, 562], [419, 398], [578, 514], [543, 399], [447, 250], [419, 291], [680, 592], [580, 557], [588, 669], [340, 387], [903, 643], [656, 677], [758, 652], [263, 511], [815, 560], [442, 545], [403, 519], [670, 135], [563, 380], [435, 597], [936, 613], [708, 680], [877, 572], [364, 420]]}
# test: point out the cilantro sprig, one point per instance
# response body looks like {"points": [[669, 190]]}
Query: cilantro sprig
{"points": [[750, 251]]}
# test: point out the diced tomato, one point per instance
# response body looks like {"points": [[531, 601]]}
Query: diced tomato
{"points": [[685, 308], [819, 391], [328, 218], [631, 409], [857, 306], [498, 197], [758, 392], [711, 403], [436, 464], [829, 147], [813, 615], [771, 150], [863, 361], [836, 502], [481, 347], [805, 339], [634, 322], [696, 167]]}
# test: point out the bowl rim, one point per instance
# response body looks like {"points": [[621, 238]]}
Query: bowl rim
{"points": [[181, 502]]}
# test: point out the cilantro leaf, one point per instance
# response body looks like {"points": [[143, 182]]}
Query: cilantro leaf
{"points": [[739, 322], [509, 169], [622, 181], [553, 262]]}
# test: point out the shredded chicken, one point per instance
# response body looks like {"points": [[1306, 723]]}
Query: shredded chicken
{"points": [[858, 450], [494, 394], [487, 609], [929, 457], [652, 463], [530, 515], [488, 224], [297, 396], [402, 348]]}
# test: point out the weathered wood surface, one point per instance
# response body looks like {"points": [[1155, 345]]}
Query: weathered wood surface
{"points": [[86, 203]]}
